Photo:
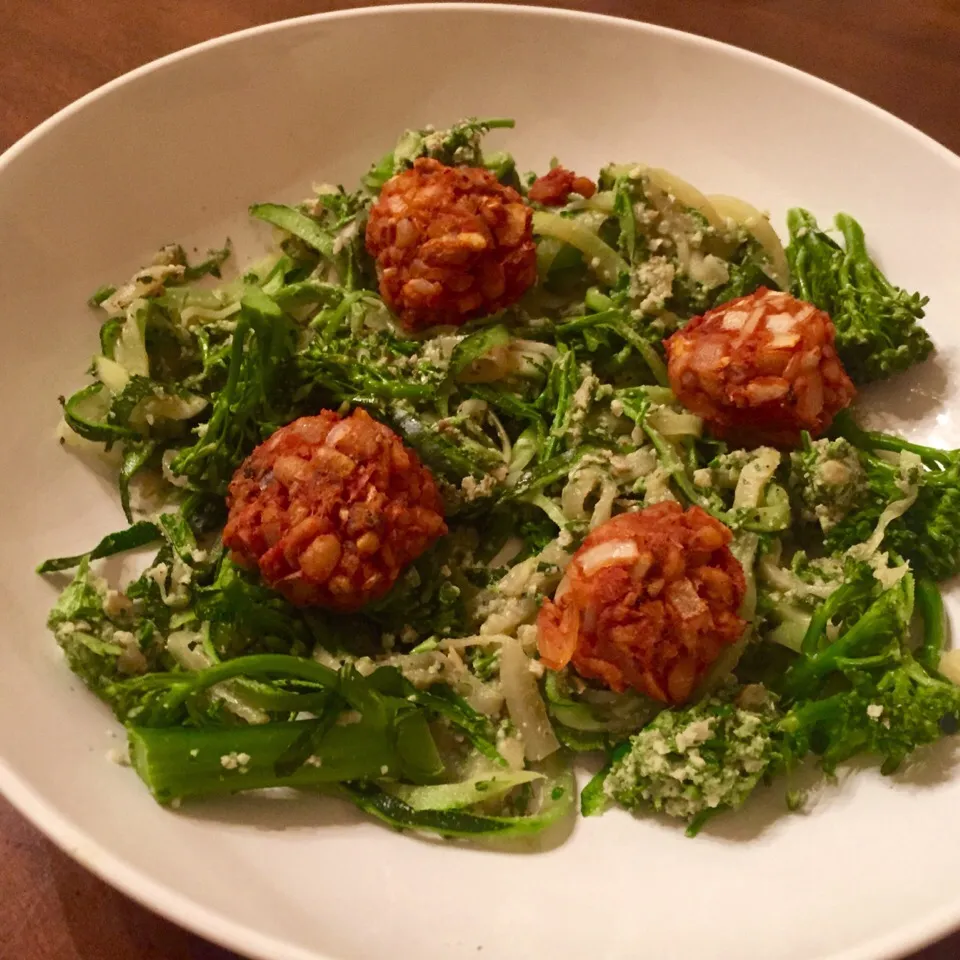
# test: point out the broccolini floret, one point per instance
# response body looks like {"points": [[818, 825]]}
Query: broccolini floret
{"points": [[855, 689], [887, 715], [878, 324]]}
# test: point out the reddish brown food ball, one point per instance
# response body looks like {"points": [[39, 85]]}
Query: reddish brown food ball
{"points": [[760, 369], [649, 601], [450, 243], [553, 189], [330, 510]]}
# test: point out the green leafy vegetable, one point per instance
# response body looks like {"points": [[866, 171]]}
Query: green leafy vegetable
{"points": [[140, 534], [878, 324], [294, 222]]}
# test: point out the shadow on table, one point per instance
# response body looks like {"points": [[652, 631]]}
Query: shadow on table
{"points": [[101, 923]]}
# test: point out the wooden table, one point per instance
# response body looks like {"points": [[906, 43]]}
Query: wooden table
{"points": [[902, 55]]}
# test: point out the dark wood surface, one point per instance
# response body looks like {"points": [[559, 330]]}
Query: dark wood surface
{"points": [[902, 54]]}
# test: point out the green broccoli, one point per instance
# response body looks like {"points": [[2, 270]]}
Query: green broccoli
{"points": [[878, 329], [884, 698], [859, 691], [918, 500], [702, 759], [887, 716], [869, 631], [790, 596]]}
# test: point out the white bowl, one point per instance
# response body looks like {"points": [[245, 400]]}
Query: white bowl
{"points": [[176, 151]]}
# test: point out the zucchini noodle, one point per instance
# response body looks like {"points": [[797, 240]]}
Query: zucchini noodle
{"points": [[756, 223], [604, 260], [678, 189]]}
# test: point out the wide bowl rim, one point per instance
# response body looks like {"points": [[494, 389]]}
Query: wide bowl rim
{"points": [[165, 900]]}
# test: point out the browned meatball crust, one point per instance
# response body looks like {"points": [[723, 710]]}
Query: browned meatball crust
{"points": [[553, 189]]}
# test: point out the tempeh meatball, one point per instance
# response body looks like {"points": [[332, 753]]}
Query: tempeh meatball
{"points": [[451, 243], [649, 601], [330, 510], [760, 369]]}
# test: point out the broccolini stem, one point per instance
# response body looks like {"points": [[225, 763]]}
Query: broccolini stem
{"points": [[596, 300], [440, 454], [855, 242], [702, 818], [593, 797], [806, 244], [182, 762], [328, 321], [497, 123], [883, 622], [857, 255], [930, 605], [870, 440], [646, 350], [604, 315], [278, 664], [824, 613]]}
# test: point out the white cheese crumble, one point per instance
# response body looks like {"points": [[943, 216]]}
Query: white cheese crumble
{"points": [[693, 734], [235, 761], [653, 282], [703, 477], [473, 489]]}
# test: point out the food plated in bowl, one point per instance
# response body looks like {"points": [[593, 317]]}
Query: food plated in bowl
{"points": [[457, 484], [275, 916]]}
